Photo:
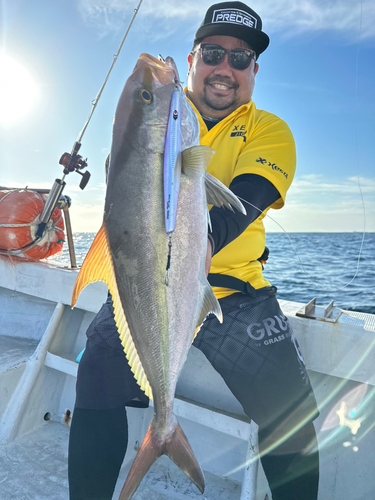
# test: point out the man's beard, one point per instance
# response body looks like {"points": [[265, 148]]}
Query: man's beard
{"points": [[220, 103]]}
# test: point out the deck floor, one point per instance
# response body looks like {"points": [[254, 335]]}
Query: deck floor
{"points": [[35, 467], [15, 351]]}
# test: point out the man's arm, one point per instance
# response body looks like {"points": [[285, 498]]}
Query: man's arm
{"points": [[228, 225]]}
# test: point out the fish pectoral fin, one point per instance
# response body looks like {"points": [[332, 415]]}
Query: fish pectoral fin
{"points": [[196, 159], [220, 196], [210, 305], [98, 266], [209, 220]]}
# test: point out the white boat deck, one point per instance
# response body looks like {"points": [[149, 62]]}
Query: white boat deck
{"points": [[40, 337], [40, 459]]}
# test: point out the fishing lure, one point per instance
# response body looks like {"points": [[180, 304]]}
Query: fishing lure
{"points": [[172, 162]]}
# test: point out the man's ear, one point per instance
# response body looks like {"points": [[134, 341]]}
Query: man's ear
{"points": [[256, 67], [190, 61]]}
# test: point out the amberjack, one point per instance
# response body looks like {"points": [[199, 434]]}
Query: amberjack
{"points": [[157, 319]]}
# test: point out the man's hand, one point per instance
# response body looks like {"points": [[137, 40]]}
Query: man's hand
{"points": [[207, 265]]}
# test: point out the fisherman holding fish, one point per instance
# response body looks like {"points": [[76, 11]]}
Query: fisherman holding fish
{"points": [[254, 348]]}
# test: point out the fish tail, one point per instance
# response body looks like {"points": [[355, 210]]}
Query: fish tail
{"points": [[176, 447], [179, 450]]}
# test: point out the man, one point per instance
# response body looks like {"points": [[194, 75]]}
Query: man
{"points": [[254, 349]]}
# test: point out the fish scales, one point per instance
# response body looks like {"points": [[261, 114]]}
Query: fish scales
{"points": [[156, 321]]}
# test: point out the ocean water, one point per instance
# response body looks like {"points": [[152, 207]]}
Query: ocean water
{"points": [[323, 265], [303, 266]]}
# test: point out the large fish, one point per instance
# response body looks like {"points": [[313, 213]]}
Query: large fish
{"points": [[156, 318]]}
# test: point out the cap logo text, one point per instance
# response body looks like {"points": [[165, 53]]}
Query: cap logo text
{"points": [[234, 16]]}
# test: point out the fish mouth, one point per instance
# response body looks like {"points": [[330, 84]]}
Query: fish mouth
{"points": [[162, 72], [149, 59]]}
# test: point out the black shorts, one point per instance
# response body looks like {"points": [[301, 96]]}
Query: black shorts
{"points": [[254, 350], [257, 354]]}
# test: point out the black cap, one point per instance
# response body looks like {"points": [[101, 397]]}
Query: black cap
{"points": [[234, 19]]}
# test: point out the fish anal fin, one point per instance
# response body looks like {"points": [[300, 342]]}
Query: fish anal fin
{"points": [[210, 305], [175, 446], [196, 159], [220, 196], [98, 266]]}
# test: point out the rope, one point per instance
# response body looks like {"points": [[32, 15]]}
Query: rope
{"points": [[17, 225], [10, 192]]}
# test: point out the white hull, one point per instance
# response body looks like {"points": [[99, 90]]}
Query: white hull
{"points": [[40, 338]]}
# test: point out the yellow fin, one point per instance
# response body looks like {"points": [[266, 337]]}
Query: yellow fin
{"points": [[98, 266], [196, 159]]}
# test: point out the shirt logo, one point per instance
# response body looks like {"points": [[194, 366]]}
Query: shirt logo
{"points": [[239, 132], [263, 161], [234, 16]]}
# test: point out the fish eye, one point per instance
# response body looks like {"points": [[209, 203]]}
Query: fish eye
{"points": [[145, 96]]}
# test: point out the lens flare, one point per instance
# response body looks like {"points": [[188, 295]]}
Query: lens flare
{"points": [[344, 410], [18, 92]]}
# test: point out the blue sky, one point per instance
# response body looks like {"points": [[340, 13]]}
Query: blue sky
{"points": [[318, 75]]}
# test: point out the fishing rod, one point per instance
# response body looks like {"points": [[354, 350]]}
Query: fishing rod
{"points": [[73, 162]]}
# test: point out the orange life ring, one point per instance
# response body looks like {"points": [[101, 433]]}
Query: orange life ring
{"points": [[20, 213]]}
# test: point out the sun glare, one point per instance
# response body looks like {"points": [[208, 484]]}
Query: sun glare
{"points": [[18, 92]]}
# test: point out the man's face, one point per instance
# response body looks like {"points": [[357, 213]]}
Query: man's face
{"points": [[216, 91]]}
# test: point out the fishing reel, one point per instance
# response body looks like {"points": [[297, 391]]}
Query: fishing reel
{"points": [[73, 162]]}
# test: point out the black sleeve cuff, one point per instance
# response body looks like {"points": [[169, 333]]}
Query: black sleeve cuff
{"points": [[256, 194]]}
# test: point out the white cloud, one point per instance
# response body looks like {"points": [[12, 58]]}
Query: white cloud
{"points": [[288, 17], [307, 184], [343, 16], [86, 218], [319, 218], [317, 204], [314, 204]]}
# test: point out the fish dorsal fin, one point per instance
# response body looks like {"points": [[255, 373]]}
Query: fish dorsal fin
{"points": [[98, 266], [196, 159], [210, 305], [220, 196]]}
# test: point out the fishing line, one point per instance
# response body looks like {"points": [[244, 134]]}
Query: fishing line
{"points": [[281, 227], [358, 176], [96, 100], [357, 148], [311, 282]]}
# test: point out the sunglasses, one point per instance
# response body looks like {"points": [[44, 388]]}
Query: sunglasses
{"points": [[213, 55]]}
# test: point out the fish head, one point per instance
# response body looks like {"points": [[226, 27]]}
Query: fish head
{"points": [[142, 112], [143, 104]]}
